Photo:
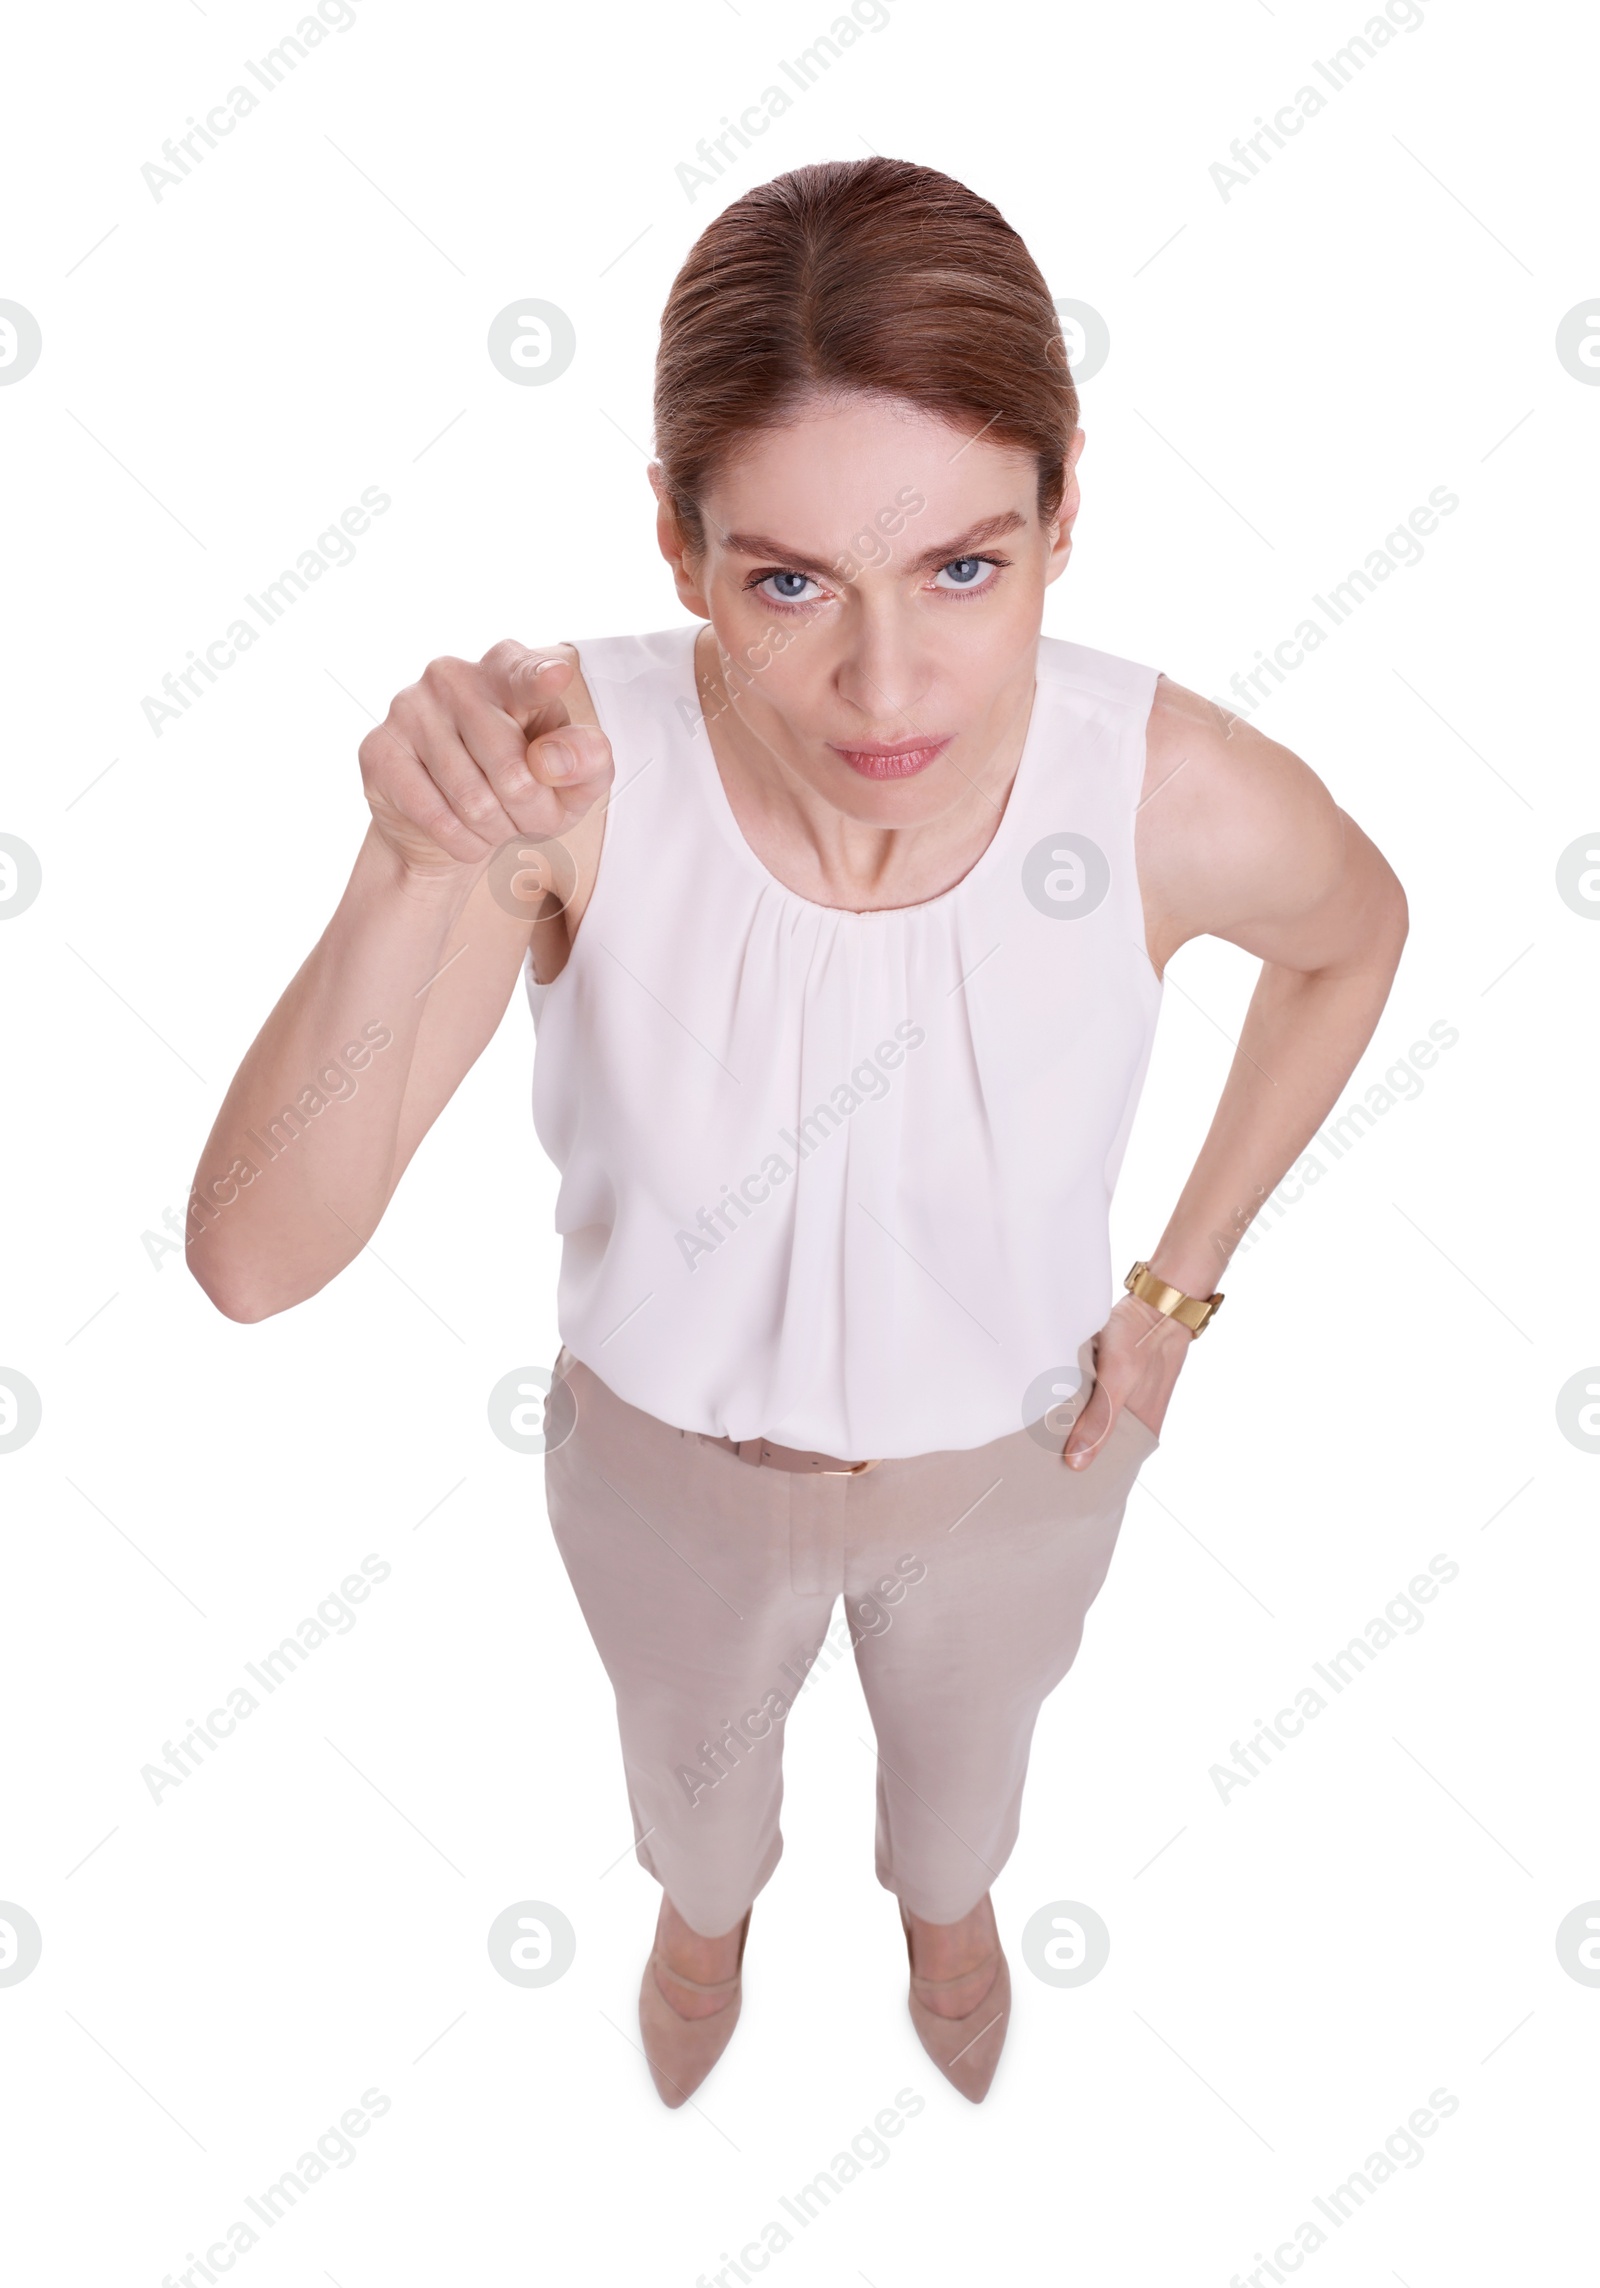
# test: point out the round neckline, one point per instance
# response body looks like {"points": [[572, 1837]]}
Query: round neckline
{"points": [[723, 811]]}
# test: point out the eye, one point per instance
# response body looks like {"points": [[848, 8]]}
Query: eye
{"points": [[788, 587], [966, 570]]}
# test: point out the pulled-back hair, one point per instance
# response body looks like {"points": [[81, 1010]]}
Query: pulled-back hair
{"points": [[857, 275]]}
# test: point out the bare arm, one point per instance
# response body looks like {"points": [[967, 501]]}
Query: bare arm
{"points": [[406, 985], [1239, 839]]}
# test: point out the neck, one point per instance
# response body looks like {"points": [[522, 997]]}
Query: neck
{"points": [[837, 857]]}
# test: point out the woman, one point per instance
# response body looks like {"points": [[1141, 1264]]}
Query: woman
{"points": [[844, 908]]}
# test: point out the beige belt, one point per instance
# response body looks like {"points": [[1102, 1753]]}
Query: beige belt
{"points": [[763, 1453]]}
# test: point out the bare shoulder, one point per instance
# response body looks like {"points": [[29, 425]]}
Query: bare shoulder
{"points": [[1237, 836]]}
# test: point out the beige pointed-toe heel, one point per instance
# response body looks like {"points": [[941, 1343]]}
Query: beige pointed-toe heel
{"points": [[965, 2050], [681, 2051]]}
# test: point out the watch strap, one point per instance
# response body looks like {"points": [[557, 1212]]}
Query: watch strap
{"points": [[1195, 1312]]}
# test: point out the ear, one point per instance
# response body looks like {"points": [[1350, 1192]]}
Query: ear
{"points": [[1067, 514], [671, 541]]}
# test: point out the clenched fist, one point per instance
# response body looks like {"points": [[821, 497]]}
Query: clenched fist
{"points": [[471, 757]]}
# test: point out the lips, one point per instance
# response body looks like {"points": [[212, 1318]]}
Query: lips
{"points": [[901, 761]]}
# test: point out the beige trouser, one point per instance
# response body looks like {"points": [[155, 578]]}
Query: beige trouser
{"points": [[709, 1585]]}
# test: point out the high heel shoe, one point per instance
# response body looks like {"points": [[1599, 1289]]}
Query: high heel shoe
{"points": [[966, 2050], [681, 2051]]}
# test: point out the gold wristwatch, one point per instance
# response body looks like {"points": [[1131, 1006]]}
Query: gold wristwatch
{"points": [[1195, 1312]]}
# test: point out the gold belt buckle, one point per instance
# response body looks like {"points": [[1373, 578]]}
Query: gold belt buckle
{"points": [[851, 1470]]}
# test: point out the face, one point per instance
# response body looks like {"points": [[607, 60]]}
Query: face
{"points": [[875, 579]]}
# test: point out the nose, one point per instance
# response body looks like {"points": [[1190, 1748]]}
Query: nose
{"points": [[884, 675]]}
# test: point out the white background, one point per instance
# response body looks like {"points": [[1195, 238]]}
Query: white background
{"points": [[1292, 370]]}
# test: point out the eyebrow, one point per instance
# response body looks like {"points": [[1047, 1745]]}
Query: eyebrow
{"points": [[945, 552]]}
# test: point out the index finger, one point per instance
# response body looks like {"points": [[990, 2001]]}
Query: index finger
{"points": [[530, 685]]}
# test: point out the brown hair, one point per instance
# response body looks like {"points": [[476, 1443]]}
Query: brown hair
{"points": [[871, 275]]}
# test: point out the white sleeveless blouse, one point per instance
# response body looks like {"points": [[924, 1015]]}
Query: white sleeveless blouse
{"points": [[839, 1179]]}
